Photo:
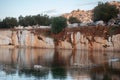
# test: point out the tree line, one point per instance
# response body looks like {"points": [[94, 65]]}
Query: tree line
{"points": [[10, 22]]}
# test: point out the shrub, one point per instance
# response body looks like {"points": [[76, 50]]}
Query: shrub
{"points": [[58, 24], [73, 20]]}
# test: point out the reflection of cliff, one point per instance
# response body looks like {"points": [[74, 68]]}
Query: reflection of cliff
{"points": [[88, 59], [95, 63], [26, 58], [29, 57], [60, 63]]}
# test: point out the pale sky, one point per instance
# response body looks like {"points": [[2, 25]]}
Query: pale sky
{"points": [[15, 8]]}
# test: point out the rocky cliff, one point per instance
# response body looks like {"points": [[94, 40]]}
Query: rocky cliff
{"points": [[88, 38], [83, 16]]}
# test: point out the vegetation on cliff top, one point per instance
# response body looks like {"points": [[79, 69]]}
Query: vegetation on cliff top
{"points": [[10, 22], [58, 24], [105, 12], [73, 20], [34, 20]]}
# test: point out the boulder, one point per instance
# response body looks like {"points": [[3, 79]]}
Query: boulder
{"points": [[111, 22], [83, 24], [73, 25], [100, 23]]}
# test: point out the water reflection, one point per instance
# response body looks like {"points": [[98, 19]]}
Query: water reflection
{"points": [[19, 63], [60, 63]]}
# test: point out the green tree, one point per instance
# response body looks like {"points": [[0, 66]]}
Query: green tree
{"points": [[42, 20], [0, 24], [27, 21], [34, 20], [58, 24], [21, 21], [73, 20], [9, 22], [46, 20], [105, 12]]}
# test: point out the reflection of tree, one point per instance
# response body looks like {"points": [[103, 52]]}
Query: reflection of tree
{"points": [[96, 76], [8, 69], [58, 66], [59, 73], [104, 73], [107, 77], [36, 73]]}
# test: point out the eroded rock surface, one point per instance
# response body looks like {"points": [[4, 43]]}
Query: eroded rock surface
{"points": [[64, 40]]}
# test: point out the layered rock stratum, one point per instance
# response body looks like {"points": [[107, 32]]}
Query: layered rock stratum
{"points": [[87, 38]]}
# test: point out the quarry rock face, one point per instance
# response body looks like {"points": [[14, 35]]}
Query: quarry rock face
{"points": [[5, 37], [116, 43], [24, 38], [75, 40]]}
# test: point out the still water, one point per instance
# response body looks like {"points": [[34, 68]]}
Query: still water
{"points": [[50, 64]]}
